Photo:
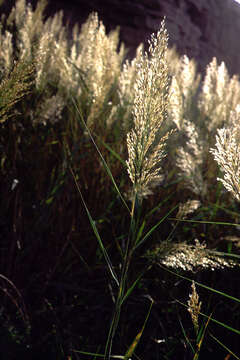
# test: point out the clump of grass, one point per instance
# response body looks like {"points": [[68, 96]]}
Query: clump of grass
{"points": [[145, 150], [153, 111]]}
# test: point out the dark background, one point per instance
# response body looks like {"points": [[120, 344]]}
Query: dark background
{"points": [[201, 29]]}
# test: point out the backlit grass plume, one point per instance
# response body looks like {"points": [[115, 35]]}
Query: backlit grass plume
{"points": [[144, 141], [94, 57], [219, 95], [183, 89], [190, 159], [227, 154]]}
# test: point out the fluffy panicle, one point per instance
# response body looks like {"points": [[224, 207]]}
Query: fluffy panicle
{"points": [[182, 111], [44, 58], [189, 78], [51, 48], [209, 97], [183, 88], [145, 146], [95, 53], [103, 69], [220, 94], [35, 39], [29, 25], [227, 154], [172, 58], [187, 208], [187, 257], [50, 110], [190, 159], [91, 61], [126, 87], [176, 106], [6, 54]]}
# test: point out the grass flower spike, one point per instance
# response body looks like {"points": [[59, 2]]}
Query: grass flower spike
{"points": [[190, 159], [194, 306], [227, 154], [144, 141]]}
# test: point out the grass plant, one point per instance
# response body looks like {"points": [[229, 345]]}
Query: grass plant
{"points": [[143, 142]]}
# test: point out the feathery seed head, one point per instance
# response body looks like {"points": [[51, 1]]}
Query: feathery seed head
{"points": [[190, 158], [184, 85], [220, 94], [145, 147], [227, 154], [187, 208], [187, 257]]}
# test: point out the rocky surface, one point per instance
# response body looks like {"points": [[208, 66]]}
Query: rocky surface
{"points": [[200, 28]]}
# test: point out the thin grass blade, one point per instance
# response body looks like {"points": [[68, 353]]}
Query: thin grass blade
{"points": [[156, 208], [214, 320], [102, 158], [199, 344], [221, 253], [95, 230], [97, 355], [206, 222], [202, 285], [225, 347], [154, 228], [116, 155], [135, 342], [186, 337], [140, 231], [129, 291]]}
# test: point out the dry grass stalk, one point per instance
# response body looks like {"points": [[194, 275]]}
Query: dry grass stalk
{"points": [[194, 306]]}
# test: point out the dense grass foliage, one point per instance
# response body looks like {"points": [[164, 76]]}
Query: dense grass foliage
{"points": [[120, 184]]}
